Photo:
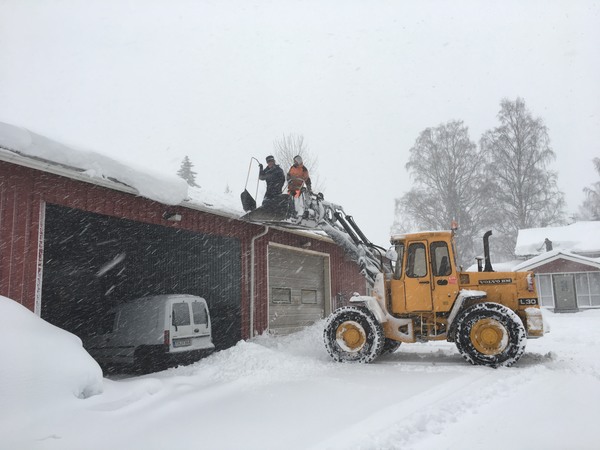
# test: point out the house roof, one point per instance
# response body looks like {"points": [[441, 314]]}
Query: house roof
{"points": [[553, 255], [579, 237]]}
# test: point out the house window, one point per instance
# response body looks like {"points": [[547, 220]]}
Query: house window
{"points": [[309, 296], [594, 278], [281, 295], [588, 289], [544, 286], [583, 289]]}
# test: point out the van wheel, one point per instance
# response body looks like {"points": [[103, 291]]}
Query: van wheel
{"points": [[353, 335], [490, 334]]}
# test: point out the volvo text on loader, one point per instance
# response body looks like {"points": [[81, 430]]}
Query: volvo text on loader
{"points": [[418, 291]]}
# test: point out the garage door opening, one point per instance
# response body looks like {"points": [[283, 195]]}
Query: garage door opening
{"points": [[93, 262]]}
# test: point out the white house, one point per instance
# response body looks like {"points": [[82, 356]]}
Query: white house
{"points": [[566, 262]]}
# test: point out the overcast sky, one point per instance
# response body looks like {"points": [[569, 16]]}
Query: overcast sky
{"points": [[150, 81]]}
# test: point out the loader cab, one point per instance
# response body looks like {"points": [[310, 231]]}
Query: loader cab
{"points": [[425, 274]]}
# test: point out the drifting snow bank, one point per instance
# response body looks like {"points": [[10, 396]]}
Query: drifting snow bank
{"points": [[40, 363], [170, 190]]}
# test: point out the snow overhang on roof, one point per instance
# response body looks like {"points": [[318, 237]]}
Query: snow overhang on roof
{"points": [[553, 255], [579, 237], [23, 147]]}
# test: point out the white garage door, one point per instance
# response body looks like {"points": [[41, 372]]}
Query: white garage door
{"points": [[298, 289]]}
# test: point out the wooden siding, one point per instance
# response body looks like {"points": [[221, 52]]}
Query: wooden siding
{"points": [[24, 193], [561, 265]]}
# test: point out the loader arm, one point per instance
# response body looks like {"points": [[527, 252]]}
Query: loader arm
{"points": [[311, 212]]}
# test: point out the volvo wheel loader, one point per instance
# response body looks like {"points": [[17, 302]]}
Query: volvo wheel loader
{"points": [[418, 293]]}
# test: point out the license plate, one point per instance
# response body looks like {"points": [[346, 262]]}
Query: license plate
{"points": [[182, 342]]}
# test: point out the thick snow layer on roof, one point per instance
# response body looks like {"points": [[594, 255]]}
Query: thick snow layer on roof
{"points": [[170, 190], [227, 203], [579, 237]]}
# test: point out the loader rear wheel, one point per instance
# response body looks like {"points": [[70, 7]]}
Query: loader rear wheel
{"points": [[490, 334], [352, 334]]}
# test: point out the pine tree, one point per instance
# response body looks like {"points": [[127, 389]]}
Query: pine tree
{"points": [[186, 172]]}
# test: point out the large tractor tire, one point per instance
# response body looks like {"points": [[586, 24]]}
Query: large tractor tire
{"points": [[352, 334], [490, 334]]}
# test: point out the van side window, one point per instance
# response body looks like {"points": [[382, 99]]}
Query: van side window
{"points": [[440, 259], [199, 311], [417, 261], [181, 314]]}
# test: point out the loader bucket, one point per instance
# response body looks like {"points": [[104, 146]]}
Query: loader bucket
{"points": [[248, 202], [272, 211]]}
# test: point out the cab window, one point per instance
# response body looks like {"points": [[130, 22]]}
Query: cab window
{"points": [[416, 266], [440, 259], [398, 267]]}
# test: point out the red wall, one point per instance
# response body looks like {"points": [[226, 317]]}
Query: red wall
{"points": [[23, 192]]}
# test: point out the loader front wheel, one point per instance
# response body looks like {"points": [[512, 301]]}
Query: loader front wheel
{"points": [[352, 334], [490, 334]]}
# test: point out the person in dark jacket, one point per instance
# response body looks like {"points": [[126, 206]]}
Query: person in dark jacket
{"points": [[275, 178]]}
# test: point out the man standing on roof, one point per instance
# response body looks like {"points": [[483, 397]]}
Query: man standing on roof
{"points": [[298, 176], [274, 177]]}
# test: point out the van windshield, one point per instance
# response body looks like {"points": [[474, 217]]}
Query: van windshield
{"points": [[200, 315]]}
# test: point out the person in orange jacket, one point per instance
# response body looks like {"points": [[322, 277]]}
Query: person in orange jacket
{"points": [[298, 176]]}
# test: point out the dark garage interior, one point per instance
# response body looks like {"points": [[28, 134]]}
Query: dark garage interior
{"points": [[92, 262]]}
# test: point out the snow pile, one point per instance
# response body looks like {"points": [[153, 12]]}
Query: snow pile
{"points": [[170, 190], [40, 363], [579, 237]]}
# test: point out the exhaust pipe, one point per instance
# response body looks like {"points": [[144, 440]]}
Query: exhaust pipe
{"points": [[486, 251]]}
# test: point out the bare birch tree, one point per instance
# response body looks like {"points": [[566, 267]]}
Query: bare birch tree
{"points": [[525, 192], [449, 185]]}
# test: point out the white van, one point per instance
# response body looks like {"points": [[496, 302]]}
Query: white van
{"points": [[152, 333]]}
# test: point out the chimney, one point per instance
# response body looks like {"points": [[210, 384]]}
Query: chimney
{"points": [[548, 243]]}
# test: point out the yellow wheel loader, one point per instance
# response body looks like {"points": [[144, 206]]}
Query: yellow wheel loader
{"points": [[418, 293]]}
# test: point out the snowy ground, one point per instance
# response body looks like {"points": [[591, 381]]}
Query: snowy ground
{"points": [[276, 393]]}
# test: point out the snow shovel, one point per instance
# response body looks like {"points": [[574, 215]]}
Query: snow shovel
{"points": [[248, 202]]}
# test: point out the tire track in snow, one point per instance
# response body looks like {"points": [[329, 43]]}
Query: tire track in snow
{"points": [[404, 424]]}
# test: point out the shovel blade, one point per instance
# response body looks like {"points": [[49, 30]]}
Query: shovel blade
{"points": [[248, 202]]}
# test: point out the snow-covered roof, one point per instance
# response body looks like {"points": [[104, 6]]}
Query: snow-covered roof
{"points": [[24, 147], [579, 237], [552, 255]]}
